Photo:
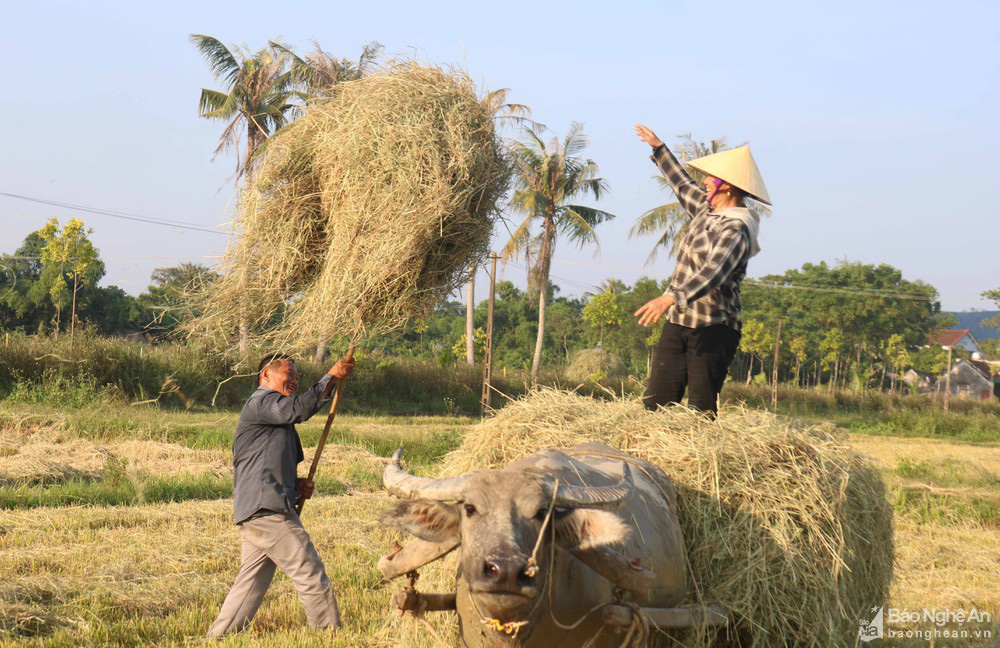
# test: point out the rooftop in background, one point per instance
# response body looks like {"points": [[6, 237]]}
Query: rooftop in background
{"points": [[953, 338]]}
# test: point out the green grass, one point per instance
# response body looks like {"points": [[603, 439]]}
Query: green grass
{"points": [[115, 490], [945, 491], [948, 473], [425, 438], [944, 509], [95, 370], [878, 413]]}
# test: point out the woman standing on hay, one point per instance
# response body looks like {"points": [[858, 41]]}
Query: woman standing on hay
{"points": [[702, 304]]}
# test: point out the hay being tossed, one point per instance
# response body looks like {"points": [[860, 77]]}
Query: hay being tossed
{"points": [[786, 527], [363, 213]]}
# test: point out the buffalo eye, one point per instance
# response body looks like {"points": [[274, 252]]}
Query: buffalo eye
{"points": [[557, 513], [470, 510]]}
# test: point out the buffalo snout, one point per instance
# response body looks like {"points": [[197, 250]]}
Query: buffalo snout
{"points": [[508, 574]]}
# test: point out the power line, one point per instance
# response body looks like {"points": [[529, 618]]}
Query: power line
{"points": [[117, 214], [865, 292], [572, 282], [868, 292], [20, 257]]}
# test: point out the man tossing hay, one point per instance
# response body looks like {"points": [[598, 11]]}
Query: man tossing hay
{"points": [[266, 451]]}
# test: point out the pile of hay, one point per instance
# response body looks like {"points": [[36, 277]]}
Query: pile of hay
{"points": [[593, 365], [363, 213], [786, 527]]}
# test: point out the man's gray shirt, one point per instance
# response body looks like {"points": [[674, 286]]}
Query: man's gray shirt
{"points": [[267, 449]]}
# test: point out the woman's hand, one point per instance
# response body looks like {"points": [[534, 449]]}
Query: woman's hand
{"points": [[651, 312], [647, 136]]}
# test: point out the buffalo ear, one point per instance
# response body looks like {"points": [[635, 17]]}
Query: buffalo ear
{"points": [[586, 528], [428, 520]]}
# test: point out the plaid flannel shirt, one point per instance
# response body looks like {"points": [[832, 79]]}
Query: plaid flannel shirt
{"points": [[712, 258]]}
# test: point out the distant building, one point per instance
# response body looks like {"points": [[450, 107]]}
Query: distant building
{"points": [[962, 338], [920, 382], [969, 379], [989, 369]]}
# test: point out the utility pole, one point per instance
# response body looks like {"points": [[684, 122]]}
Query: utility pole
{"points": [[947, 380], [470, 326], [774, 369], [488, 359]]}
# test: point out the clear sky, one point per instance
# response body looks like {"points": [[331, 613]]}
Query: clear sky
{"points": [[874, 123]]}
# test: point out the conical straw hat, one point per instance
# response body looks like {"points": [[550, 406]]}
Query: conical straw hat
{"points": [[737, 167]]}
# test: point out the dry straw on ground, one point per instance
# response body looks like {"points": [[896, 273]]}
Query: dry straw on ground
{"points": [[786, 527], [364, 213]]}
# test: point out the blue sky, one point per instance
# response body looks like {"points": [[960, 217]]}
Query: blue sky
{"points": [[874, 124]]}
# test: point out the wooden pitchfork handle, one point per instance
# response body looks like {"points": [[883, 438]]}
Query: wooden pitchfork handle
{"points": [[326, 428]]}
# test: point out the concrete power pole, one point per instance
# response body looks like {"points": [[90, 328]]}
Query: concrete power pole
{"points": [[947, 381], [774, 369], [470, 326]]}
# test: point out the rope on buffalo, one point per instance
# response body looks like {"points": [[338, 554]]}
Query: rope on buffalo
{"points": [[638, 632]]}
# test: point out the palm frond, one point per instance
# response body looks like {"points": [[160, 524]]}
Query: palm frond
{"points": [[220, 59], [369, 55], [519, 240], [216, 105], [575, 141], [668, 216], [575, 226]]}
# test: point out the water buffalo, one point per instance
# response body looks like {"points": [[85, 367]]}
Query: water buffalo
{"points": [[612, 526]]}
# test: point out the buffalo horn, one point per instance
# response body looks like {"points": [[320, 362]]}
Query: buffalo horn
{"points": [[597, 497], [406, 486]]}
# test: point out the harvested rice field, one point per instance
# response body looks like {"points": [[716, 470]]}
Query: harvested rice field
{"points": [[115, 528]]}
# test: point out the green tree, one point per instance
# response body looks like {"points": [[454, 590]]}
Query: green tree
{"points": [[798, 346], [68, 255], [478, 345], [166, 301], [259, 97], [897, 357], [604, 310], [930, 359], [831, 348], [755, 341], [990, 348], [547, 177], [866, 303], [24, 303]]}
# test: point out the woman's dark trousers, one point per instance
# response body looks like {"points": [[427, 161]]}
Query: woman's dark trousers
{"points": [[695, 359]]}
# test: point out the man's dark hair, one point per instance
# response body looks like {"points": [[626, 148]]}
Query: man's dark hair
{"points": [[269, 360]]}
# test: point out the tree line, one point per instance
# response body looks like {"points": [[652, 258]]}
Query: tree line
{"points": [[843, 325]]}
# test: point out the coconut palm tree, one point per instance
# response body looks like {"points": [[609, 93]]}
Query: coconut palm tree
{"points": [[546, 177], [258, 96], [319, 72]]}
